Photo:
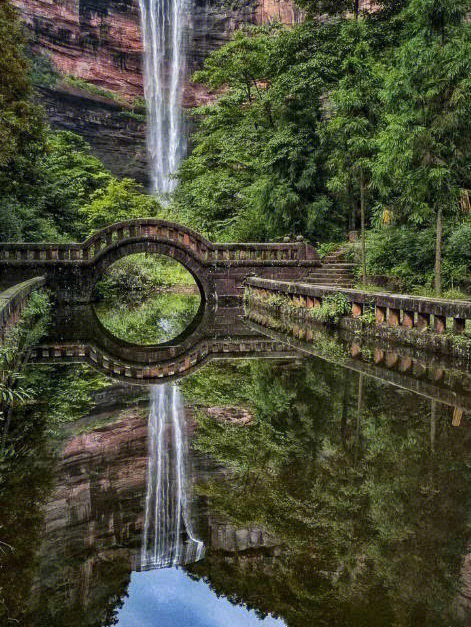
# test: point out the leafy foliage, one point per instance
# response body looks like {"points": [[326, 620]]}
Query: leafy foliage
{"points": [[423, 158], [31, 327], [119, 200], [316, 125], [256, 169], [343, 476], [333, 307]]}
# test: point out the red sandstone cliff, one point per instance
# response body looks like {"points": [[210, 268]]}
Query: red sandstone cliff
{"points": [[99, 41]]}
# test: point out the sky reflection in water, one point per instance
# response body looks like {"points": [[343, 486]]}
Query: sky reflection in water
{"points": [[169, 598]]}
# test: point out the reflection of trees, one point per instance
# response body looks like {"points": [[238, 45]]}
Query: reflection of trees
{"points": [[157, 319], [28, 472], [371, 512], [25, 480]]}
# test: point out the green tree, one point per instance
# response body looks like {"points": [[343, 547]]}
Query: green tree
{"points": [[424, 146], [119, 200], [256, 170], [21, 128], [352, 126], [71, 174], [20, 119]]}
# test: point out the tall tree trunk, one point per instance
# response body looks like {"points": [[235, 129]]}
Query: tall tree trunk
{"points": [[362, 212], [359, 412], [346, 390], [353, 209], [433, 425], [356, 8], [438, 253]]}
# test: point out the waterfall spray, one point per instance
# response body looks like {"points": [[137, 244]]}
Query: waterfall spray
{"points": [[168, 536], [164, 27]]}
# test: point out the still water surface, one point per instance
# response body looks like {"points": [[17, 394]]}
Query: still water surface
{"points": [[263, 492]]}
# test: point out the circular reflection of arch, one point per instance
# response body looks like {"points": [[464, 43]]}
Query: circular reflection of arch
{"points": [[162, 317], [78, 336], [143, 354]]}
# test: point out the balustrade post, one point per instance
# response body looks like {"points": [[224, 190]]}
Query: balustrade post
{"points": [[379, 355], [457, 416], [317, 302], [405, 363], [355, 350], [357, 309], [419, 369], [380, 314], [391, 359], [394, 317], [439, 324], [408, 319], [459, 325], [423, 321]]}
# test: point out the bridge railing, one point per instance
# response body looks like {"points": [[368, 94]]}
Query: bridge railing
{"points": [[160, 230], [264, 252], [151, 229], [40, 252]]}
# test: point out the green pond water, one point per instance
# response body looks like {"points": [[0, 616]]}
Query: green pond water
{"points": [[287, 491]]}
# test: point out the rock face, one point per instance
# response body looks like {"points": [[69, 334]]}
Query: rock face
{"points": [[117, 138], [99, 41], [93, 520]]}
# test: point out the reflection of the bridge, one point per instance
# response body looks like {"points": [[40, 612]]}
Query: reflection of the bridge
{"points": [[77, 336]]}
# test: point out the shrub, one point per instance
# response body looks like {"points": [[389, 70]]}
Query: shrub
{"points": [[128, 280], [408, 254], [333, 307], [327, 248]]}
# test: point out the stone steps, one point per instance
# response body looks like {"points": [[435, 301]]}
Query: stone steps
{"points": [[329, 283], [338, 257], [338, 266], [333, 272]]}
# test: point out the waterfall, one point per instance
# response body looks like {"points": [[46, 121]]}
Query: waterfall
{"points": [[168, 536], [164, 25]]}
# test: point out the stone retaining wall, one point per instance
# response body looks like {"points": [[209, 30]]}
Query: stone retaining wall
{"points": [[395, 317], [13, 301]]}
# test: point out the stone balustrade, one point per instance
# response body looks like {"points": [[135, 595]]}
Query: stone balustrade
{"points": [[392, 310], [153, 229], [13, 300], [71, 270], [430, 376]]}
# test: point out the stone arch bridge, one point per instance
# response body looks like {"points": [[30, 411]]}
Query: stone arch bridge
{"points": [[71, 270]]}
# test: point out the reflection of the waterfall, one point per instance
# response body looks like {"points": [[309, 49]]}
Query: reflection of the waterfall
{"points": [[168, 537]]}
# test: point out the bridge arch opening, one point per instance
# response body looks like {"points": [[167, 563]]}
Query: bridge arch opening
{"points": [[147, 298]]}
